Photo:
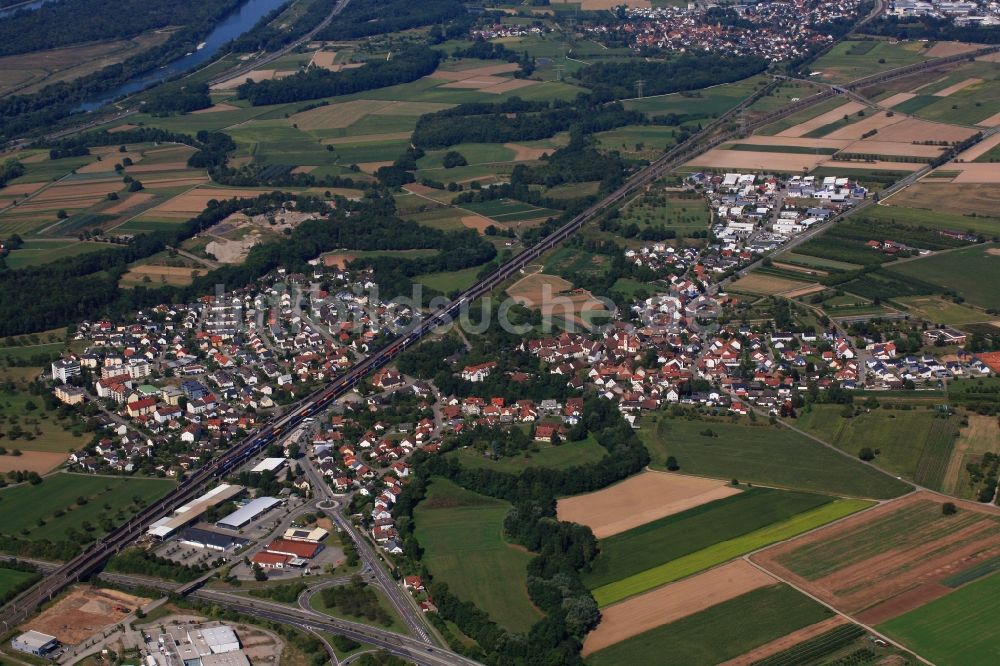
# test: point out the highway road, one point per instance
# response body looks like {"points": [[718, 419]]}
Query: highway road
{"points": [[712, 135], [400, 599]]}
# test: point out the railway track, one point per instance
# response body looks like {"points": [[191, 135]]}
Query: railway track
{"points": [[709, 137]]}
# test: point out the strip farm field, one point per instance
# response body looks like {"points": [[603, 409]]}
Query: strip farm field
{"points": [[726, 550], [890, 560], [955, 630], [708, 636]]}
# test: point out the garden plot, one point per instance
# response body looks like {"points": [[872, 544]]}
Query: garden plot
{"points": [[890, 560], [639, 500]]}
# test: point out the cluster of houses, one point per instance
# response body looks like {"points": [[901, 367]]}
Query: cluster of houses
{"points": [[776, 31], [202, 373]]}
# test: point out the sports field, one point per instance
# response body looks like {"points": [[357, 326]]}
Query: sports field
{"points": [[957, 629], [50, 509], [710, 636], [461, 533], [726, 550], [767, 455], [669, 538], [916, 444], [972, 272]]}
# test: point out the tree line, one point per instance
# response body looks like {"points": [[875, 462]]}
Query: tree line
{"points": [[932, 28], [404, 67], [265, 36], [77, 21], [687, 71], [564, 549], [367, 18]]}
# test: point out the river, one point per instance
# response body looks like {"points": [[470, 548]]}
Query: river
{"points": [[229, 28]]}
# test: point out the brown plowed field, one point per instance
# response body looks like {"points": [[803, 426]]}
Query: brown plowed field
{"points": [[889, 560], [84, 611], [785, 642], [673, 602], [640, 499]]}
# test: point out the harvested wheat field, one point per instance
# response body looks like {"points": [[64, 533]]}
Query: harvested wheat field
{"points": [[215, 108], [882, 563], [804, 291], [718, 158], [477, 222], [873, 146], [958, 198], [757, 283], [509, 85], [323, 59], [67, 190], [256, 76], [876, 121], [982, 435], [475, 72], [981, 148], [476, 83], [527, 153], [881, 165], [640, 499], [797, 142], [788, 641], [108, 161], [945, 49], [556, 298], [673, 602], [912, 129], [84, 611], [898, 98], [32, 461], [372, 167], [134, 200], [368, 138], [977, 172], [823, 119], [195, 201], [992, 121], [410, 108], [955, 87], [173, 275], [20, 189]]}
